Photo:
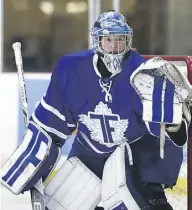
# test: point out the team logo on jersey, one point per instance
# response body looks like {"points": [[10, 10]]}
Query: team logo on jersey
{"points": [[104, 126]]}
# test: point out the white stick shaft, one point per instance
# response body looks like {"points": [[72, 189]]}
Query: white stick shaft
{"points": [[19, 63], [162, 140], [36, 204]]}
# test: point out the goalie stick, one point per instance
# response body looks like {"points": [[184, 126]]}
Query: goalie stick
{"points": [[37, 195]]}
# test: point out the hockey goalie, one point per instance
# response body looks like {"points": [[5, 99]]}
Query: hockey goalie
{"points": [[131, 118]]}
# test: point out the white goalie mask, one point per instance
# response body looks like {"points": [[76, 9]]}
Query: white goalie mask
{"points": [[112, 49], [112, 38]]}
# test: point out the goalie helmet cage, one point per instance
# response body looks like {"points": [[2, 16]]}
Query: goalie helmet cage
{"points": [[181, 195]]}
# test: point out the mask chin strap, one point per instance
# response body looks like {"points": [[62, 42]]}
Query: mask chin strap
{"points": [[113, 63]]}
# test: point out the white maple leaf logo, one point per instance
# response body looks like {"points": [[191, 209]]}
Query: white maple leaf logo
{"points": [[102, 118]]}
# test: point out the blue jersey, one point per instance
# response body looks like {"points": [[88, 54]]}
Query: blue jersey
{"points": [[107, 111]]}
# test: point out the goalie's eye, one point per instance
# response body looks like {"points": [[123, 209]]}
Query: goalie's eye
{"points": [[122, 38], [108, 39], [114, 38]]}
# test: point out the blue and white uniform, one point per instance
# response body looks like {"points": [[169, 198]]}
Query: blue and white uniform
{"points": [[107, 112]]}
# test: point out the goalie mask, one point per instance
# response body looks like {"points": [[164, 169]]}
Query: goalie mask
{"points": [[111, 39]]}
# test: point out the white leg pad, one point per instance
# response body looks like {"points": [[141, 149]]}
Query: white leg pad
{"points": [[74, 187], [115, 192]]}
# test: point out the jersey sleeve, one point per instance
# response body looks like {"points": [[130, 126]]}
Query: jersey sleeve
{"points": [[52, 114]]}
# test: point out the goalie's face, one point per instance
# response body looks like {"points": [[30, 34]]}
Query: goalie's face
{"points": [[113, 44]]}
